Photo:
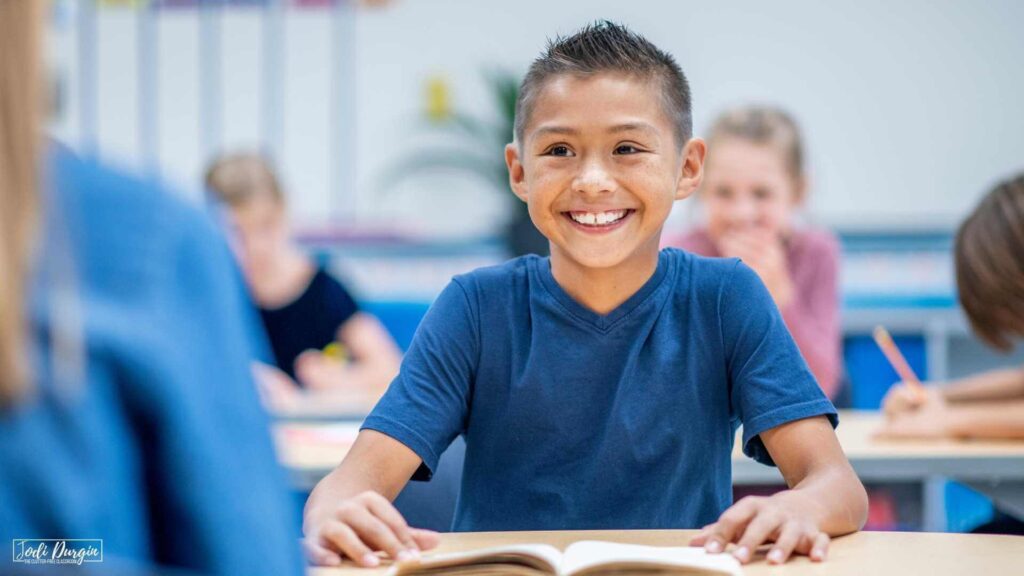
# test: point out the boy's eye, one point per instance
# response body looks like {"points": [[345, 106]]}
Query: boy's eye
{"points": [[558, 150], [626, 149]]}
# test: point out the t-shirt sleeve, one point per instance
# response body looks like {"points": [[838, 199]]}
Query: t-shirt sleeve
{"points": [[770, 383], [427, 404]]}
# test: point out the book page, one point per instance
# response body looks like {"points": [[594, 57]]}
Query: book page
{"points": [[523, 559], [610, 557]]}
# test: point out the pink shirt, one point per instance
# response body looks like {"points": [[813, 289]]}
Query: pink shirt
{"points": [[812, 317]]}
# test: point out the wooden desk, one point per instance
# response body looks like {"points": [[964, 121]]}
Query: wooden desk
{"points": [[864, 553], [879, 460]]}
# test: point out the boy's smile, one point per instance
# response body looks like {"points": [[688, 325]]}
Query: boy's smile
{"points": [[599, 167]]}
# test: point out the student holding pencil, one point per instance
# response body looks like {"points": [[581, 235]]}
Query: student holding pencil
{"points": [[127, 410], [989, 257], [600, 387]]}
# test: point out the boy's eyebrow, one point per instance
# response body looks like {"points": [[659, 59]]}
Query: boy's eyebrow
{"points": [[630, 126], [555, 130], [566, 130]]}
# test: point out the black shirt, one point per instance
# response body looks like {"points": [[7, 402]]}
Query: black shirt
{"points": [[310, 321]]}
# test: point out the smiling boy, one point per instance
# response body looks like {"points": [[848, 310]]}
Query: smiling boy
{"points": [[600, 388]]}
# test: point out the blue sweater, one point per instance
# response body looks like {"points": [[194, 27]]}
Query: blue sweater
{"points": [[154, 442]]}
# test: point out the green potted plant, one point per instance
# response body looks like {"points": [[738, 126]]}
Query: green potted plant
{"points": [[478, 149]]}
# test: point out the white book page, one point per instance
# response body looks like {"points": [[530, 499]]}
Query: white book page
{"points": [[547, 554], [582, 555]]}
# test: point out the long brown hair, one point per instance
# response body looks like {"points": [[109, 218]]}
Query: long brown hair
{"points": [[989, 256], [21, 106]]}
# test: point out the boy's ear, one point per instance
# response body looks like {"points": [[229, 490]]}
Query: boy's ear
{"points": [[692, 171], [516, 174]]}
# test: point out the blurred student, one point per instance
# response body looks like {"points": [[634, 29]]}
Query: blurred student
{"points": [[989, 256], [754, 184], [304, 309], [127, 410]]}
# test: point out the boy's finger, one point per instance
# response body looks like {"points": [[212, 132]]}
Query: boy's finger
{"points": [[318, 555], [385, 511], [787, 541], [375, 532], [701, 537], [819, 551], [342, 537], [425, 539], [754, 534], [731, 524]]}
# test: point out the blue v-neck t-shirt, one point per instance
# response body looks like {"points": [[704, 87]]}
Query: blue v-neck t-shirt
{"points": [[577, 420]]}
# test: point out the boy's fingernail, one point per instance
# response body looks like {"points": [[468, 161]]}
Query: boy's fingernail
{"points": [[775, 556], [405, 556], [817, 554], [371, 560], [713, 547], [742, 554]]}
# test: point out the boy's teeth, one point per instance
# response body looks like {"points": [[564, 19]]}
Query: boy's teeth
{"points": [[597, 218]]}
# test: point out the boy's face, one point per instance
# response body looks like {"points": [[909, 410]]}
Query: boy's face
{"points": [[599, 167]]}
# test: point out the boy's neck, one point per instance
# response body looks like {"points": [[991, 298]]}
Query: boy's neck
{"points": [[604, 289]]}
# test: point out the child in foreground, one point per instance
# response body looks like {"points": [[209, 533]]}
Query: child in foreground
{"points": [[303, 308], [989, 257], [600, 387], [754, 184]]}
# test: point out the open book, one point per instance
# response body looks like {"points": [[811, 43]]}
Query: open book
{"points": [[579, 559]]}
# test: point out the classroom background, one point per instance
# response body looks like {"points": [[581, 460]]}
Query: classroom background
{"points": [[387, 119]]}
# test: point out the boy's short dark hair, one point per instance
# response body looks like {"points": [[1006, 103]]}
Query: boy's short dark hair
{"points": [[989, 257], [608, 47]]}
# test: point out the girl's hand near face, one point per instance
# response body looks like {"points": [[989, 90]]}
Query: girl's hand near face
{"points": [[764, 252]]}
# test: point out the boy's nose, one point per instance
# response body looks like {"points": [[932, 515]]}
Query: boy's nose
{"points": [[593, 179]]}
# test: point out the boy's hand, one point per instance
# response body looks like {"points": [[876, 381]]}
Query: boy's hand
{"points": [[360, 526], [786, 519], [902, 398]]}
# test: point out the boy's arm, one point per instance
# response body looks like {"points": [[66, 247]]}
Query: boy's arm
{"points": [[825, 498], [350, 512]]}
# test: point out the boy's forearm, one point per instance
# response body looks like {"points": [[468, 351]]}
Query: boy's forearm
{"points": [[375, 463], [834, 499], [993, 385]]}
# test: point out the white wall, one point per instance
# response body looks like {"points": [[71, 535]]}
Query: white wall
{"points": [[911, 109]]}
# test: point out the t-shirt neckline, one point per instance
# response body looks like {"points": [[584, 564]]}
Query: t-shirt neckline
{"points": [[602, 322]]}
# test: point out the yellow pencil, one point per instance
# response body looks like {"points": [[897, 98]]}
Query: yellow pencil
{"points": [[897, 360]]}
